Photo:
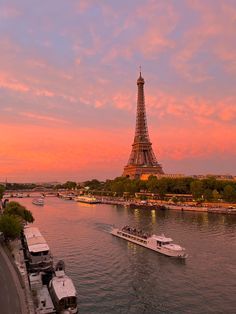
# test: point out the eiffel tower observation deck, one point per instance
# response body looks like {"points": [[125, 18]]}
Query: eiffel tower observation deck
{"points": [[142, 158]]}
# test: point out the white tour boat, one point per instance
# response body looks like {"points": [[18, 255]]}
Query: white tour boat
{"points": [[160, 244], [38, 201], [63, 293], [87, 199], [37, 251]]}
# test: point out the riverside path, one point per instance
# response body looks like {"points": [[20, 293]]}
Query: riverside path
{"points": [[9, 299]]}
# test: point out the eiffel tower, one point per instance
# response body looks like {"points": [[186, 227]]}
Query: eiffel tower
{"points": [[142, 158]]}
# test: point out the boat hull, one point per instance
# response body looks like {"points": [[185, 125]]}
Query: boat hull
{"points": [[144, 242], [88, 202]]}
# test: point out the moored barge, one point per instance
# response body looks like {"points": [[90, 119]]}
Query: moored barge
{"points": [[37, 251]]}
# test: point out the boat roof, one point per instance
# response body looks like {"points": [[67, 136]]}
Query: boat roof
{"points": [[86, 197], [34, 239], [161, 238], [63, 285]]}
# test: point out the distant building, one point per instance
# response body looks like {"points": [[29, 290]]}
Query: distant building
{"points": [[145, 176], [227, 177], [142, 158]]}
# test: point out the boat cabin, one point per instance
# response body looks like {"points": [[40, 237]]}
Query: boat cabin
{"points": [[161, 240], [37, 250], [63, 292]]}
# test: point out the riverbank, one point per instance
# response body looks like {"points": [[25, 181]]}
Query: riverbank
{"points": [[223, 208]]}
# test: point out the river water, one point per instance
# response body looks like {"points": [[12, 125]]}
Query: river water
{"points": [[115, 276]]}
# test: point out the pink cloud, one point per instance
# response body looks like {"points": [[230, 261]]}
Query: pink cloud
{"points": [[215, 34], [12, 84], [45, 93], [42, 117], [9, 11], [160, 20]]}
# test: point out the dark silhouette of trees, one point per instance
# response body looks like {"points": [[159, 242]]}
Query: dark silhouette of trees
{"points": [[18, 210], [10, 226]]}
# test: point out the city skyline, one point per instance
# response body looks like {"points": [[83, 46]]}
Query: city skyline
{"points": [[68, 86]]}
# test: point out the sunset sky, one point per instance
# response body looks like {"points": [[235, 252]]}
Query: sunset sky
{"points": [[68, 72]]}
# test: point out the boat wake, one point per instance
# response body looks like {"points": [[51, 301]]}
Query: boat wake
{"points": [[104, 227]]}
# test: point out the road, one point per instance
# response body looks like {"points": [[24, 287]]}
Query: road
{"points": [[9, 299]]}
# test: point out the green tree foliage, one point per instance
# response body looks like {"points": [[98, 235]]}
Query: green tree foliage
{"points": [[94, 184], [2, 189], [70, 185], [162, 187], [20, 186], [152, 184], [216, 195], [207, 195], [207, 189], [209, 183], [229, 193], [196, 188], [10, 226], [16, 209]]}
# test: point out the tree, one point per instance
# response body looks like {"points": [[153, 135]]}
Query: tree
{"points": [[70, 185], [196, 188], [207, 195], [152, 184], [162, 187], [16, 209], [229, 194], [93, 184], [10, 226], [216, 195]]}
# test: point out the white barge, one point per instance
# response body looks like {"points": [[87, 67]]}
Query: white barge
{"points": [[87, 199], [63, 293], [160, 244], [37, 251]]}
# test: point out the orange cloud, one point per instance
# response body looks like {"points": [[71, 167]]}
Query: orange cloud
{"points": [[35, 150], [33, 116], [12, 84], [214, 34]]}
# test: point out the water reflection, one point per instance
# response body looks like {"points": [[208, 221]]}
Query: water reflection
{"points": [[115, 276]]}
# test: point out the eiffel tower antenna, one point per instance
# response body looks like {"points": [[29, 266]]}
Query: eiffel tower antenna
{"points": [[142, 158]]}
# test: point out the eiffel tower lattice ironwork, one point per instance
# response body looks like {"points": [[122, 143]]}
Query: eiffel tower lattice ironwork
{"points": [[142, 158]]}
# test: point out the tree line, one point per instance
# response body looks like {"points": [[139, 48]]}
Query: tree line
{"points": [[13, 218], [208, 189]]}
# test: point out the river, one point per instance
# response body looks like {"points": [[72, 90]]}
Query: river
{"points": [[115, 276]]}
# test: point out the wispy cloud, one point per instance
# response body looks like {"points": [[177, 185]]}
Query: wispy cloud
{"points": [[33, 116], [76, 73]]}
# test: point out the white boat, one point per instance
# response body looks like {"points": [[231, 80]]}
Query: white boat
{"points": [[87, 199], [38, 201], [160, 244], [37, 251], [63, 293]]}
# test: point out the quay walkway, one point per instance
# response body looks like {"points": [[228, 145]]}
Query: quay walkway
{"points": [[226, 209], [12, 296]]}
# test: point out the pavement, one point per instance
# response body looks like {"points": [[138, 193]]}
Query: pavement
{"points": [[12, 296]]}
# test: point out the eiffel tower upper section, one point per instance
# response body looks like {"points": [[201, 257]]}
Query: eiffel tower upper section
{"points": [[142, 158]]}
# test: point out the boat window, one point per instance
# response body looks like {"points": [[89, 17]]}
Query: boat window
{"points": [[45, 253], [35, 253], [70, 301]]}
